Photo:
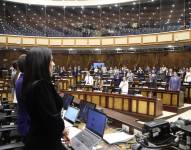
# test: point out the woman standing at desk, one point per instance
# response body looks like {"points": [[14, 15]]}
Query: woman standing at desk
{"points": [[42, 102]]}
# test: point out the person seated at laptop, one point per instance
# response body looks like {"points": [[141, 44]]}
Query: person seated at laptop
{"points": [[42, 102], [88, 79], [175, 82], [124, 86]]}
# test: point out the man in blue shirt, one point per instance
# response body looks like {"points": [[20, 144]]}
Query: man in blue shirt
{"points": [[175, 82], [23, 119]]}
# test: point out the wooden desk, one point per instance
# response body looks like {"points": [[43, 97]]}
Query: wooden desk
{"points": [[84, 87], [63, 84], [110, 128], [144, 106], [187, 92], [6, 94], [171, 100]]}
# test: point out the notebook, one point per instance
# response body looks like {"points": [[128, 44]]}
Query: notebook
{"points": [[70, 116], [93, 132]]}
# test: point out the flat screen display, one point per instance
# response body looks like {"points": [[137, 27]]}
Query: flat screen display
{"points": [[98, 64], [96, 122]]}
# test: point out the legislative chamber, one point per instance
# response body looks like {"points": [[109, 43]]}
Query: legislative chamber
{"points": [[117, 72]]}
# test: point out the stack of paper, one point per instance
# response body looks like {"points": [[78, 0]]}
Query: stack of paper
{"points": [[117, 137]]}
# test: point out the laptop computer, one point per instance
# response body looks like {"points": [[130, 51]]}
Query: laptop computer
{"points": [[84, 108], [93, 133], [70, 116]]}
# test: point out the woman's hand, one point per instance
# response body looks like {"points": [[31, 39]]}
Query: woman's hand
{"points": [[66, 136]]}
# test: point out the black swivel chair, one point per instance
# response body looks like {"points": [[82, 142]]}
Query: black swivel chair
{"points": [[84, 107], [67, 100]]}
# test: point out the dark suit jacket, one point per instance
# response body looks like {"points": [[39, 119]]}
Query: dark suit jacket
{"points": [[44, 108]]}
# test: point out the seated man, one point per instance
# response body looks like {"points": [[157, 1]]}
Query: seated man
{"points": [[88, 79], [124, 86], [175, 82]]}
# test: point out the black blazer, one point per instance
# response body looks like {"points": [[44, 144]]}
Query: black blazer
{"points": [[44, 108]]}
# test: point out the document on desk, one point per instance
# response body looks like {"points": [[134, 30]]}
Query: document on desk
{"points": [[73, 131], [117, 137]]}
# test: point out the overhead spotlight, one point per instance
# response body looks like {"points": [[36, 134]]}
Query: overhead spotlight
{"points": [[98, 6], [70, 49], [97, 49], [116, 5]]}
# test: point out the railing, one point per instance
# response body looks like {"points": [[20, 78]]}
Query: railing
{"points": [[131, 40]]}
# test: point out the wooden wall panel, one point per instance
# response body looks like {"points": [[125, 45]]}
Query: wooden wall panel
{"points": [[149, 39], [142, 107], [28, 41], [185, 35], [170, 59], [81, 41], [55, 41], [151, 108], [2, 39], [165, 37], [134, 39], [42, 41], [93, 41], [14, 40], [68, 41], [121, 40], [107, 41]]}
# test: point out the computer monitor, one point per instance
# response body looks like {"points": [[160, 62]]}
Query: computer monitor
{"points": [[84, 108], [96, 122], [67, 100], [98, 65], [71, 114]]}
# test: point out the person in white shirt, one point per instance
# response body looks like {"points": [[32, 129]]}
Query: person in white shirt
{"points": [[103, 69], [88, 79], [96, 70], [188, 76], [124, 86]]}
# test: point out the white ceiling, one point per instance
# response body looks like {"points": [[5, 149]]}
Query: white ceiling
{"points": [[71, 2]]}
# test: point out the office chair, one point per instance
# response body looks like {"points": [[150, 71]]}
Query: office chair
{"points": [[84, 107], [67, 100]]}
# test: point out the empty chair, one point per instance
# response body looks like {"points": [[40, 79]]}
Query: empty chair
{"points": [[84, 107], [67, 100]]}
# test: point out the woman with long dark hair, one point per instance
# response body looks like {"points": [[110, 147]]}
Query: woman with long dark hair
{"points": [[42, 102]]}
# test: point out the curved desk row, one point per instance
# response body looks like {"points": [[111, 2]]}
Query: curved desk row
{"points": [[171, 100], [139, 105]]}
